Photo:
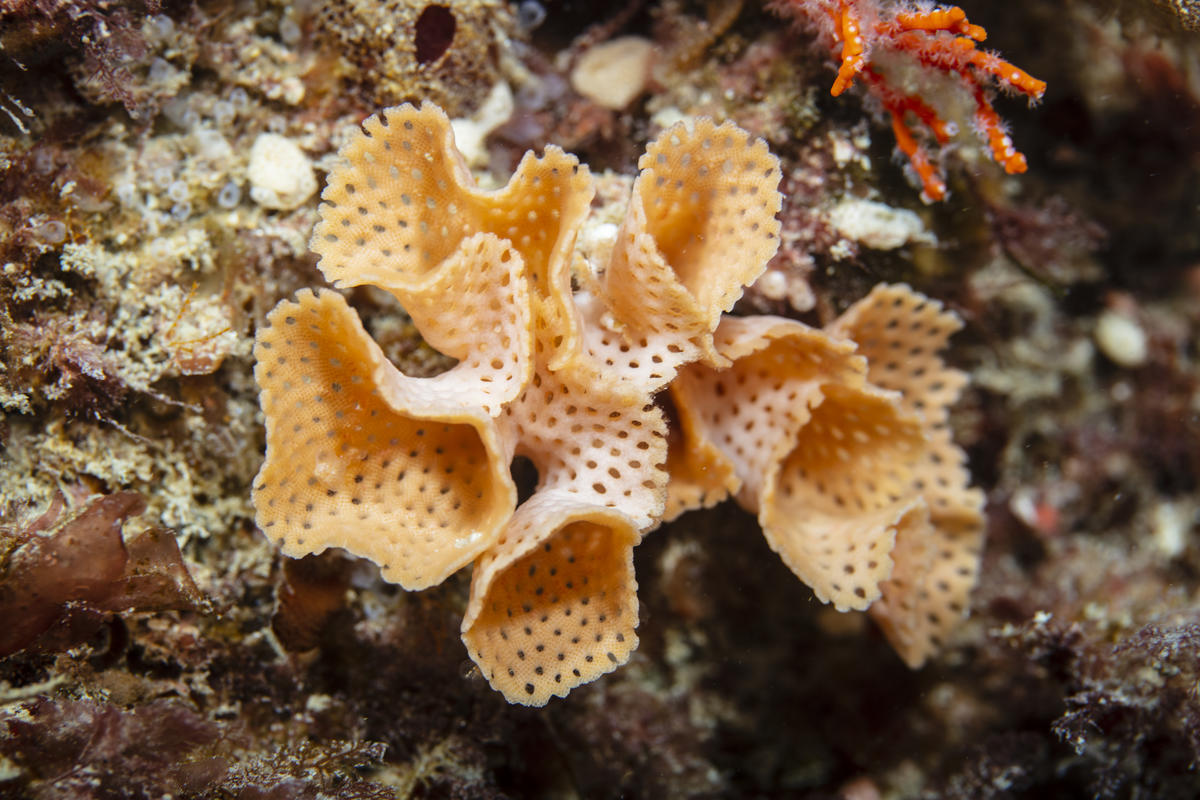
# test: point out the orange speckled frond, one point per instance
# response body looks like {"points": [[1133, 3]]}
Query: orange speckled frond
{"points": [[554, 604], [546, 201], [927, 595], [344, 468], [701, 474], [943, 478], [595, 442], [831, 508], [902, 334], [826, 461], [475, 307], [937, 548], [404, 203], [937, 555], [645, 362], [753, 410], [401, 203], [700, 226]]}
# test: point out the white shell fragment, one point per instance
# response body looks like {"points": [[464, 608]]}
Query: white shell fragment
{"points": [[281, 175], [613, 74]]}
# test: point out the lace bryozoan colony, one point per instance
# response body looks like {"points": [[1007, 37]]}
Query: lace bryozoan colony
{"points": [[835, 438]]}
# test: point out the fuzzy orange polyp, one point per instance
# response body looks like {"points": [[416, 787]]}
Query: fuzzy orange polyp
{"points": [[999, 141], [901, 104], [919, 33], [933, 187], [853, 51], [1009, 74], [953, 20], [1004, 71], [898, 106]]}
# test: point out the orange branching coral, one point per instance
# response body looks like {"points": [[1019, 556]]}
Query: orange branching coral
{"points": [[861, 32], [414, 473]]}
